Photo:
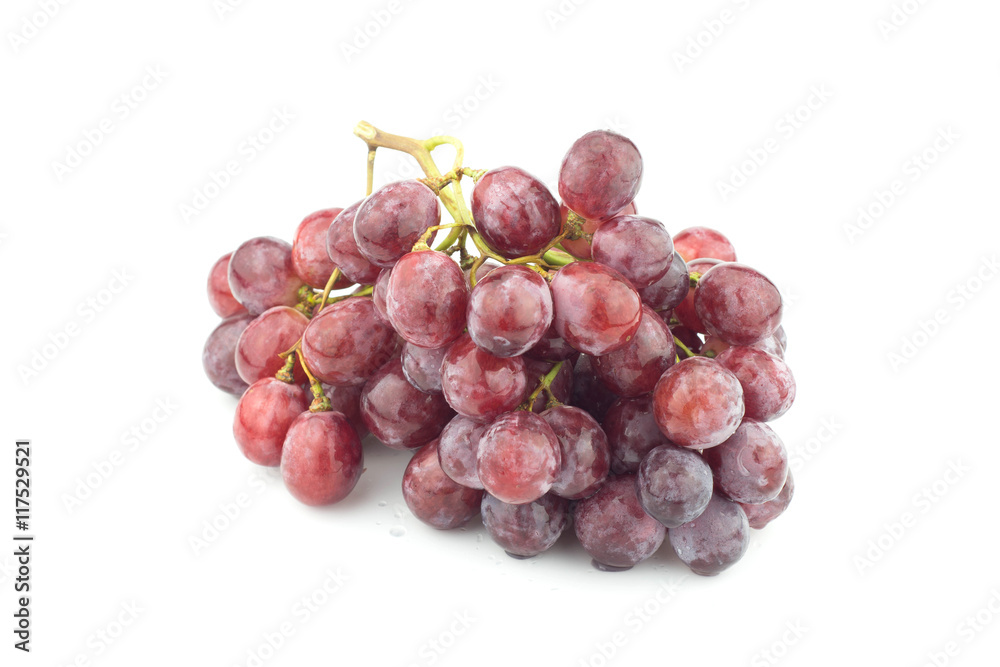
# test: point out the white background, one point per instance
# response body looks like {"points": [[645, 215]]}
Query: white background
{"points": [[868, 435]]}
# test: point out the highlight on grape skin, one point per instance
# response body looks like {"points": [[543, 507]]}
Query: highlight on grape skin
{"points": [[548, 359]]}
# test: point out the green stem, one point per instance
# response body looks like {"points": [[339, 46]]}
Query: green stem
{"points": [[544, 384], [687, 350]]}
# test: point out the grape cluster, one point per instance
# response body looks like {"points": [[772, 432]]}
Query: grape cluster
{"points": [[552, 366]]}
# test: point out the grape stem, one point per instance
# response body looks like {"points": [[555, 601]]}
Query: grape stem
{"points": [[285, 374], [687, 350], [326, 291], [321, 403], [544, 384]]}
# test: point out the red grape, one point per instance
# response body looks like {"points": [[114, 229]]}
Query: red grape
{"points": [[669, 291], [263, 416], [634, 369], [764, 513], [600, 175], [219, 355], [519, 458], [614, 529], [714, 541], [698, 242], [751, 465], [309, 257], [220, 297], [458, 450], [347, 342], [422, 367], [435, 498], [675, 485], [586, 457], [322, 458], [638, 248], [343, 249], [527, 529], [737, 304], [479, 385], [261, 275], [582, 247], [509, 311], [698, 403], [768, 385], [390, 222], [515, 212], [685, 311], [397, 413], [597, 311], [274, 332], [426, 299], [632, 433], [589, 392]]}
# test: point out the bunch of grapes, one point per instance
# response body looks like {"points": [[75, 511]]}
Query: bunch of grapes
{"points": [[551, 366]]}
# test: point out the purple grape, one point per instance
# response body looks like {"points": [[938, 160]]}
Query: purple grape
{"points": [[261, 275], [399, 414], [750, 466], [310, 259], [737, 304], [426, 299], [552, 348], [379, 291], [632, 433], [614, 529], [509, 311], [600, 175], [715, 540], [391, 221], [219, 355], [435, 498], [634, 369], [347, 342], [343, 249], [515, 212], [586, 457], [675, 485], [479, 385], [638, 248], [527, 529], [669, 291], [589, 392]]}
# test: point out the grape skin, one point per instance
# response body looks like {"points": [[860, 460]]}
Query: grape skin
{"points": [[685, 310], [422, 367], [582, 247], [219, 354], [515, 212], [589, 392], [600, 174], [322, 458], [761, 514], [458, 450], [263, 416], [435, 498], [669, 291], [632, 433], [261, 275]]}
